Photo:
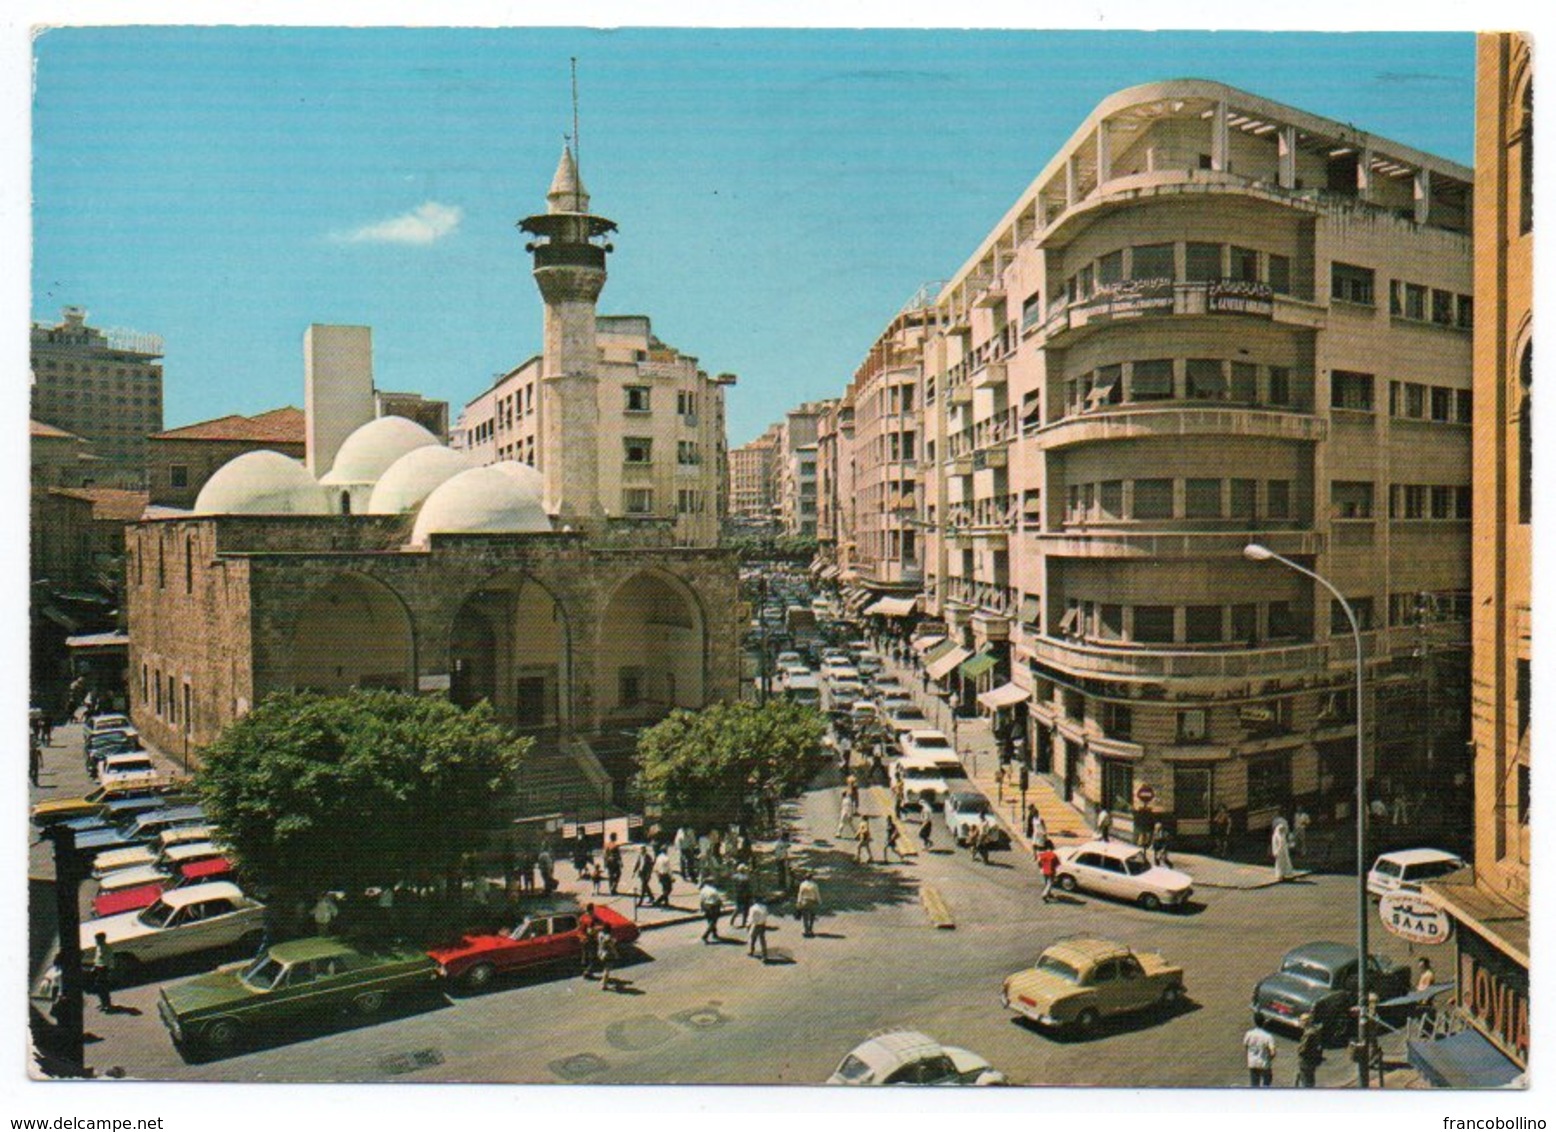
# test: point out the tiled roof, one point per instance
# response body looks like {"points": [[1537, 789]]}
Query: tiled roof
{"points": [[109, 502], [38, 428], [278, 426]]}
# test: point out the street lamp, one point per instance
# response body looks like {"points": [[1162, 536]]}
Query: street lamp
{"points": [[1255, 552]]}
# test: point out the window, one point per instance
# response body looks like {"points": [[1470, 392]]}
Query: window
{"points": [[1350, 499], [1206, 379], [686, 405], [638, 501], [1339, 623], [1280, 274], [1462, 406], [1442, 307], [1442, 501], [1351, 391], [1193, 726], [1282, 622], [1031, 310], [1118, 784], [1202, 624], [630, 687], [1154, 624], [1277, 499], [1110, 268], [1466, 319], [638, 449], [1117, 719], [1202, 262], [1107, 388], [638, 398], [1153, 499], [189, 564], [1110, 622], [1151, 380], [1110, 496], [1151, 261], [687, 452], [1244, 498], [1202, 499], [1351, 284], [1525, 139], [178, 475], [1245, 265], [1191, 791], [1245, 382], [1269, 782], [1245, 623], [688, 501], [1415, 400], [1522, 691], [161, 563], [1415, 302], [1280, 385]]}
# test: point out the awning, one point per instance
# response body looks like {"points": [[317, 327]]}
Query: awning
{"points": [[98, 641], [1031, 609], [1032, 504], [924, 644], [1032, 405], [893, 606], [1465, 1060], [977, 666], [940, 669], [938, 650], [1004, 696]]}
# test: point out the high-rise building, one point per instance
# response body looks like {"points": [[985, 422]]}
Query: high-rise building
{"points": [[102, 385], [752, 492]]}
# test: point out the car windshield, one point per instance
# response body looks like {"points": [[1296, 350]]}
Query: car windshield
{"points": [[1303, 969], [1059, 969], [263, 973], [854, 1070], [1387, 868], [157, 915], [921, 773], [932, 742], [1137, 864], [972, 806]]}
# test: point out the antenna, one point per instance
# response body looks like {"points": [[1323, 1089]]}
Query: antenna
{"points": [[577, 148]]}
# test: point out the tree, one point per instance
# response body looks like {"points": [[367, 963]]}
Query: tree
{"points": [[720, 764], [316, 792]]}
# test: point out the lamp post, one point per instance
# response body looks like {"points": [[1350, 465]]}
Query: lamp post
{"points": [[1256, 552]]}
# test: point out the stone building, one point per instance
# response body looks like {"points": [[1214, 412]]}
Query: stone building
{"points": [[179, 461], [58, 458]]}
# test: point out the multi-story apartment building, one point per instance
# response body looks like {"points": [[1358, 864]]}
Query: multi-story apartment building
{"points": [[104, 386], [752, 493], [794, 468], [430, 414], [1210, 320], [1490, 905], [661, 428], [836, 509]]}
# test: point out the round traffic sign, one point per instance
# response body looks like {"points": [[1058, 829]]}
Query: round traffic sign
{"points": [[1146, 793]]}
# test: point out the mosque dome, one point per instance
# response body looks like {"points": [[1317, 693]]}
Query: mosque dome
{"points": [[370, 451], [414, 476], [491, 500], [262, 483], [523, 474]]}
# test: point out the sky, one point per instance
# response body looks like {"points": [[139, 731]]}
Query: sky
{"points": [[780, 194]]}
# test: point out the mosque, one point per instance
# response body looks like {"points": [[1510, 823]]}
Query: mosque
{"points": [[388, 560]]}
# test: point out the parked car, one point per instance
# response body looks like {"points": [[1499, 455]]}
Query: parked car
{"points": [[203, 917], [120, 812], [965, 809], [927, 741], [300, 977], [869, 662], [107, 721], [803, 690], [789, 657], [116, 767], [1078, 982], [924, 778], [151, 882], [1405, 869], [1113, 868], [88, 805], [547, 935], [907, 1057], [904, 716], [1320, 978], [105, 871], [151, 852]]}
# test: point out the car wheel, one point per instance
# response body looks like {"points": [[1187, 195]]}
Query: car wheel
{"points": [[1150, 901], [1086, 1022], [1172, 997], [369, 1002], [479, 976], [1067, 882], [221, 1035]]}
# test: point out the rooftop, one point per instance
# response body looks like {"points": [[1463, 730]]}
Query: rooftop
{"points": [[108, 503], [278, 426], [37, 429]]}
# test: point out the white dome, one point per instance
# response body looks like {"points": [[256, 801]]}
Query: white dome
{"points": [[369, 451], [262, 483], [523, 474], [483, 501], [414, 476]]}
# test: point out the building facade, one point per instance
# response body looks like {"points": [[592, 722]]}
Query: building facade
{"points": [[179, 461], [752, 492], [104, 386]]}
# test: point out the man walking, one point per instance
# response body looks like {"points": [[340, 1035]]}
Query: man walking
{"points": [[1160, 844], [645, 875], [613, 863], [757, 936], [999, 782], [1259, 1046], [863, 851], [589, 953], [100, 963], [847, 815], [743, 896], [807, 902], [1310, 1053], [666, 877], [893, 842], [926, 830], [712, 904], [609, 955], [1048, 865], [1024, 779], [1104, 825]]}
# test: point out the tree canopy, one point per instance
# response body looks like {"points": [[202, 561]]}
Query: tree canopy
{"points": [[317, 792], [728, 762]]}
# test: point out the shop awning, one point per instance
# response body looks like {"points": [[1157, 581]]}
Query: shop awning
{"points": [[924, 644], [1031, 609], [1004, 696], [976, 666], [938, 650], [98, 641], [893, 606], [940, 669], [1465, 1060]]}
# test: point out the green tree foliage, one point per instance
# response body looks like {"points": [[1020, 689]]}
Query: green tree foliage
{"points": [[786, 548], [318, 792], [730, 762]]}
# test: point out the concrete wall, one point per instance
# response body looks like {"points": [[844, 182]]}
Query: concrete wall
{"points": [[338, 389]]}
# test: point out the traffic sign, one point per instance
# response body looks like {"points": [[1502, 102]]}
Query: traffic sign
{"points": [[1146, 793]]}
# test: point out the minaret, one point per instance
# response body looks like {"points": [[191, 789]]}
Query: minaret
{"points": [[570, 271]]}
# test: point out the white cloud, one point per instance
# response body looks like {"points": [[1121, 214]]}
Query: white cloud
{"points": [[425, 224]]}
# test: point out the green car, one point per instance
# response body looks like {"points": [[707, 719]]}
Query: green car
{"points": [[299, 977]]}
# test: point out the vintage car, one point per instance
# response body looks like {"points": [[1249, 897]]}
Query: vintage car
{"points": [[120, 812], [203, 917], [211, 1013], [1078, 982], [1114, 868], [548, 934], [1404, 870], [965, 809], [927, 741], [903, 716], [924, 778], [168, 862], [150, 883], [1320, 978], [123, 766], [107, 721], [907, 1057], [155, 853]]}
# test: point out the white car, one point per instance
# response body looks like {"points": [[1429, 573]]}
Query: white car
{"points": [[904, 716], [785, 659], [869, 663], [1113, 868], [845, 692], [150, 854], [202, 917], [965, 809], [907, 1057], [108, 721], [162, 868], [1405, 869], [927, 741], [924, 778], [128, 762], [839, 672]]}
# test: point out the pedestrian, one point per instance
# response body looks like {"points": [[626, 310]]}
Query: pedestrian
{"points": [[34, 760], [386, 907], [781, 861], [1221, 826], [1048, 865], [878, 774], [847, 814], [1037, 831], [862, 851], [691, 864], [852, 788], [48, 731], [645, 874], [545, 869], [666, 877], [1104, 825], [1024, 780], [711, 901], [999, 782], [596, 876], [893, 843], [983, 840], [1280, 849], [1259, 1046], [896, 797], [1160, 846], [613, 863], [926, 830], [100, 963], [324, 912], [1299, 823], [757, 932], [1427, 977], [743, 895], [1310, 1052], [583, 858], [705, 852], [589, 933], [682, 836], [608, 955], [807, 902]]}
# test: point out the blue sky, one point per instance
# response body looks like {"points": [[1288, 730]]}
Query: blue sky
{"points": [[780, 194]]}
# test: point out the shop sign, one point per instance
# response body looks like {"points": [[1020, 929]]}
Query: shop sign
{"points": [[1494, 993], [1230, 296], [1412, 916]]}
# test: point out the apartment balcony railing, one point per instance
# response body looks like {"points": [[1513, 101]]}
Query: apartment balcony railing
{"points": [[1067, 319], [959, 395], [1079, 542], [990, 458], [991, 374], [961, 465], [1176, 418]]}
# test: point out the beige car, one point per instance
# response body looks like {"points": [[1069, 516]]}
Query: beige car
{"points": [[1077, 983]]}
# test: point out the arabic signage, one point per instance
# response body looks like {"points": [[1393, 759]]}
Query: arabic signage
{"points": [[1412, 916], [1133, 296], [1230, 296]]}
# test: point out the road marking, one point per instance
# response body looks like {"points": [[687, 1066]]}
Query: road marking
{"points": [[935, 907]]}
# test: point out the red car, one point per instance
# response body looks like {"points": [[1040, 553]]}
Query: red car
{"points": [[546, 935], [145, 895]]}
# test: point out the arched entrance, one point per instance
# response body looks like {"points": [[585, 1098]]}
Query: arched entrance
{"points": [[353, 632], [652, 649], [509, 646]]}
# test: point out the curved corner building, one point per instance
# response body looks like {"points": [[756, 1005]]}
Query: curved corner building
{"points": [[1211, 320]]}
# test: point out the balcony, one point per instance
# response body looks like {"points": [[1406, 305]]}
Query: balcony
{"points": [[1069, 322], [990, 295], [959, 395], [1173, 419], [990, 458], [990, 375], [992, 538], [1080, 542], [961, 465]]}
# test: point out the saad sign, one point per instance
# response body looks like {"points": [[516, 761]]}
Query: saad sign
{"points": [[1412, 916]]}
